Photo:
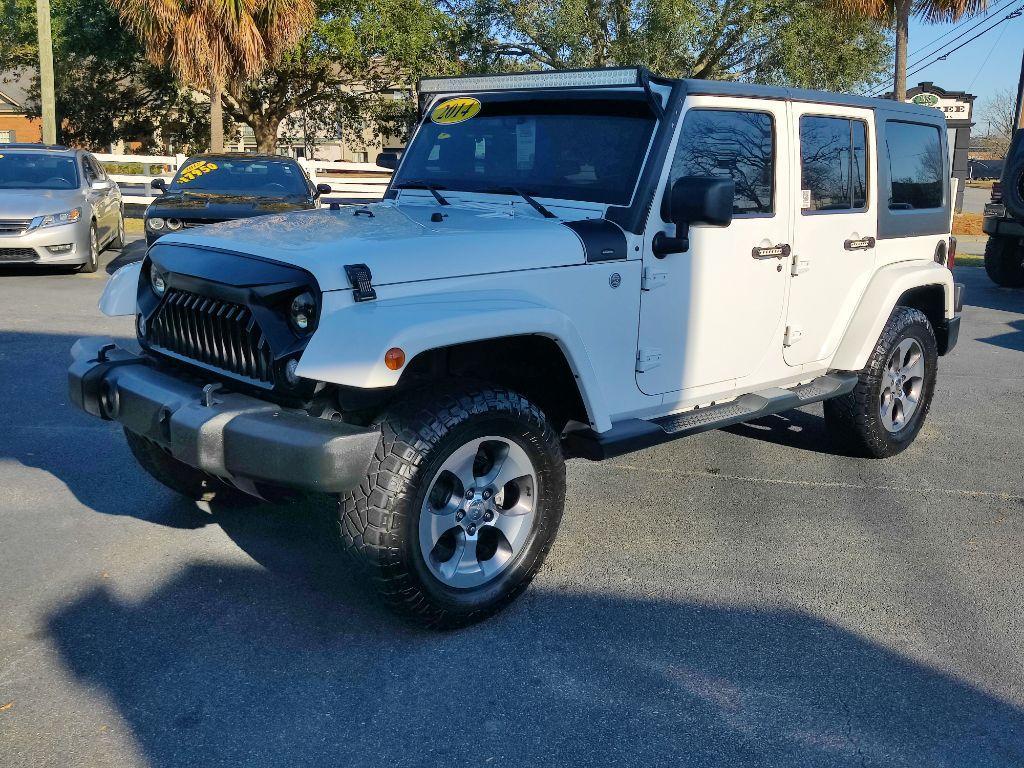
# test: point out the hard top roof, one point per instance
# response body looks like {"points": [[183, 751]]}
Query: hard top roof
{"points": [[639, 77]]}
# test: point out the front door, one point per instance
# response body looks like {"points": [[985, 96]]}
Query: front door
{"points": [[708, 316], [834, 233]]}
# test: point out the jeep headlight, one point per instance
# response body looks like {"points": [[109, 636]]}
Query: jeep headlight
{"points": [[56, 219], [158, 280], [155, 223], [303, 312]]}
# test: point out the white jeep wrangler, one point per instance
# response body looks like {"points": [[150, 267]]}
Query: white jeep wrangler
{"points": [[566, 264]]}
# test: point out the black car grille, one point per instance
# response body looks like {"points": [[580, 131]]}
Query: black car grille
{"points": [[216, 334], [17, 254], [200, 222]]}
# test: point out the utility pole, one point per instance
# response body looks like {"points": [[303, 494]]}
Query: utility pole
{"points": [[1018, 112], [46, 96]]}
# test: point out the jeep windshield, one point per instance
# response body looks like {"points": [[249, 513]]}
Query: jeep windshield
{"points": [[35, 170], [571, 147]]}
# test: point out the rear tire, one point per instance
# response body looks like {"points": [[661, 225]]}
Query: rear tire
{"points": [[447, 539], [1004, 261], [887, 408], [192, 483]]}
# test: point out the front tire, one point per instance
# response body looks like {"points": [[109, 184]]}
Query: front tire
{"points": [[887, 408], [93, 263], [461, 504], [192, 483], [119, 237], [1004, 261]]}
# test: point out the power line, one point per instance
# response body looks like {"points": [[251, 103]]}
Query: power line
{"points": [[987, 57], [945, 55], [974, 24], [973, 21]]}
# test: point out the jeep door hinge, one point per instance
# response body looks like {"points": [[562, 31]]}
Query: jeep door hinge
{"points": [[647, 358], [653, 279], [793, 334], [800, 265]]}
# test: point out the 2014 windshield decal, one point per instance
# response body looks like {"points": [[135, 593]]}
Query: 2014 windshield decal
{"points": [[454, 111]]}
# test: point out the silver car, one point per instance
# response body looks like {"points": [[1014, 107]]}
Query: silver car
{"points": [[57, 207]]}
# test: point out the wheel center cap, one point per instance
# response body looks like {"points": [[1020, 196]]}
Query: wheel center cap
{"points": [[475, 511]]}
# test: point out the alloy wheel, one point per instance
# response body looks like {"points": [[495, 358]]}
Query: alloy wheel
{"points": [[902, 385], [478, 513]]}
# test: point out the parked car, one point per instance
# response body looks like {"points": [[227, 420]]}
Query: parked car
{"points": [[1003, 221], [211, 188], [565, 265], [57, 207]]}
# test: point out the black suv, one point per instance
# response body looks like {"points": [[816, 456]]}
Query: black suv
{"points": [[219, 187], [1004, 221]]}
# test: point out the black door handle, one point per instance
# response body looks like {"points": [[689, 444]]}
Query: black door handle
{"points": [[780, 251], [861, 244]]}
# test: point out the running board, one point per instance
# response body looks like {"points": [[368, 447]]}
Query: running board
{"points": [[636, 434]]}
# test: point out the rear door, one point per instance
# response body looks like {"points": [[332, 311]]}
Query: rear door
{"points": [[835, 229]]}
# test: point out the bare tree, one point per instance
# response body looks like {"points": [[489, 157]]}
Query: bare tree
{"points": [[997, 117]]}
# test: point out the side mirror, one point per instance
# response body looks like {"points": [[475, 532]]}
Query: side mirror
{"points": [[101, 185], [388, 160], [323, 189], [695, 200], [158, 184]]}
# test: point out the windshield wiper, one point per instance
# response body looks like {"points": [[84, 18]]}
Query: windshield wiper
{"points": [[420, 184], [514, 191]]}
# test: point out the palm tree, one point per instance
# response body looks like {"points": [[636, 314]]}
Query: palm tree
{"points": [[898, 13], [208, 43]]}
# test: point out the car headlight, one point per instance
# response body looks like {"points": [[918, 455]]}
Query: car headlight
{"points": [[173, 224], [56, 219], [303, 312], [155, 224], [158, 280]]}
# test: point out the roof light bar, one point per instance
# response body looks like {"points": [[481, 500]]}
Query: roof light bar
{"points": [[583, 78]]}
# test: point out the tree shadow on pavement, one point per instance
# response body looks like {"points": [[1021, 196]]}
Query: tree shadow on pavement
{"points": [[227, 665]]}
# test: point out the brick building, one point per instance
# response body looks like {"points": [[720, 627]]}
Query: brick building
{"points": [[15, 124]]}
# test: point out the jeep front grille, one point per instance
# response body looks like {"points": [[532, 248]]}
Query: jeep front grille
{"points": [[213, 333]]}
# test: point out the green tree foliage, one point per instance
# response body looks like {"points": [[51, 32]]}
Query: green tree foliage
{"points": [[105, 89], [344, 75], [797, 42]]}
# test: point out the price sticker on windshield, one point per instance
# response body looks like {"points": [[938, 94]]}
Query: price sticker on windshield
{"points": [[454, 111], [195, 170]]}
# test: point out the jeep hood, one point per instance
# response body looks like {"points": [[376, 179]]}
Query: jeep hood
{"points": [[399, 243]]}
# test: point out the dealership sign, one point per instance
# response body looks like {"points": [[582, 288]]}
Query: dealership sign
{"points": [[954, 109]]}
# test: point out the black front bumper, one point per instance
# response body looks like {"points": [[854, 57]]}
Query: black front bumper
{"points": [[230, 435]]}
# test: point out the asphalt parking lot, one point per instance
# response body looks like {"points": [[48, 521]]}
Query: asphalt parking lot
{"points": [[741, 598]]}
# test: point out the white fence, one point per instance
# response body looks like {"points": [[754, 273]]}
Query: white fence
{"points": [[350, 182]]}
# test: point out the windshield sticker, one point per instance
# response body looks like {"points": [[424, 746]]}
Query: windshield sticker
{"points": [[455, 110], [195, 170]]}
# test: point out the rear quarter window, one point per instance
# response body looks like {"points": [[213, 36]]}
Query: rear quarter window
{"points": [[916, 170]]}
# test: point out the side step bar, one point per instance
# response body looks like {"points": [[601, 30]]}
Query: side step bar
{"points": [[636, 434]]}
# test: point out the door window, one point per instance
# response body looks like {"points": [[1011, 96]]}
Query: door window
{"points": [[730, 143], [833, 164], [90, 171], [915, 165]]}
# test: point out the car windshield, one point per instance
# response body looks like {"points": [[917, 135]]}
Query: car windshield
{"points": [[589, 149], [35, 170], [232, 175]]}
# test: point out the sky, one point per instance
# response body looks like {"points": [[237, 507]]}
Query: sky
{"points": [[981, 67]]}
